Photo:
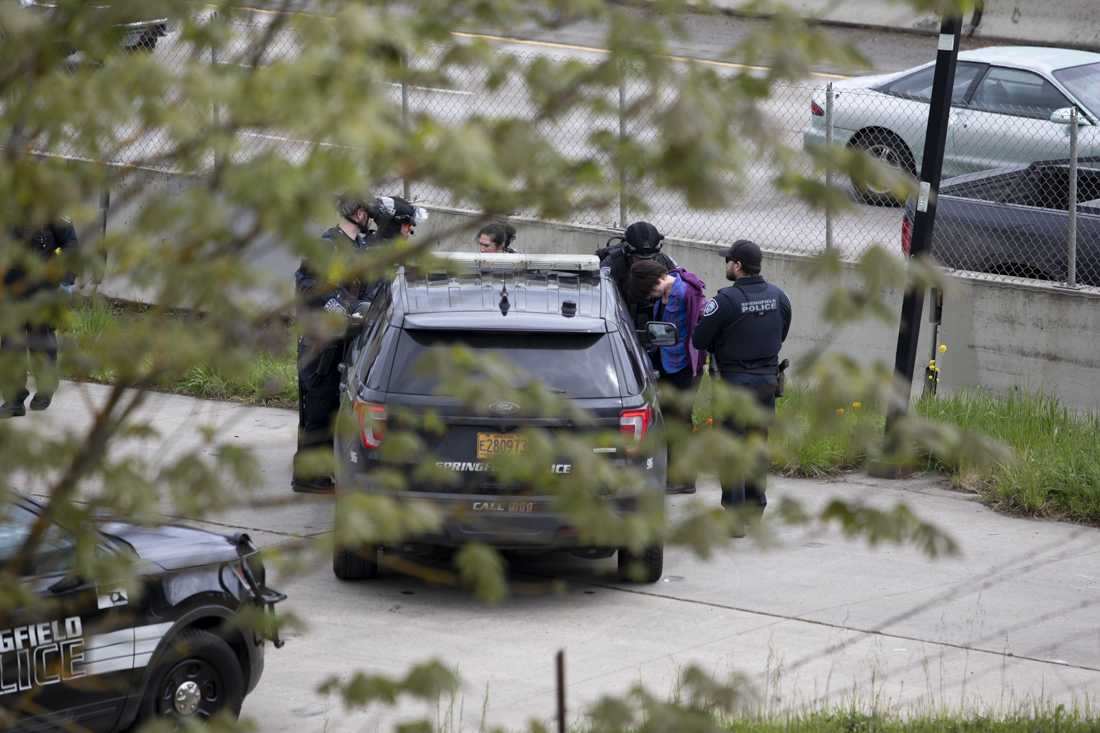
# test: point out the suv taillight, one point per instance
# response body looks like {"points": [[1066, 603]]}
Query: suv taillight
{"points": [[815, 109], [635, 423], [372, 423], [906, 234]]}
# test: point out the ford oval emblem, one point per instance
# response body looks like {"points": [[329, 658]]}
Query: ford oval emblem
{"points": [[504, 408]]}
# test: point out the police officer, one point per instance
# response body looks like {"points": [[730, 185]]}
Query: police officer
{"points": [[319, 358], [396, 219], [36, 336], [640, 241], [744, 327]]}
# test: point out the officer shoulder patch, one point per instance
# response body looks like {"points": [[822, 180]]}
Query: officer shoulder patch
{"points": [[710, 307]]}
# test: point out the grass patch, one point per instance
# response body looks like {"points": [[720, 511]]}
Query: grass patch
{"points": [[1056, 721], [802, 451], [270, 378], [1056, 471]]}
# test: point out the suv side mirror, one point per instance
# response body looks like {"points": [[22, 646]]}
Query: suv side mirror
{"points": [[1064, 116], [358, 318], [661, 333]]}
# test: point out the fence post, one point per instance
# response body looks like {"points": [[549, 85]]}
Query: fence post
{"points": [[405, 188], [622, 141], [829, 134], [559, 663], [100, 274], [214, 116], [1071, 260]]}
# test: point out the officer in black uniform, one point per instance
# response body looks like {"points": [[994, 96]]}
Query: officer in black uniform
{"points": [[744, 327], [640, 241], [318, 358], [55, 240], [396, 219]]}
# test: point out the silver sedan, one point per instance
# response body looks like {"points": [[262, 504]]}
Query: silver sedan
{"points": [[1010, 106]]}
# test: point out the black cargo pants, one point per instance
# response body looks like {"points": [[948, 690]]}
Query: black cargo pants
{"points": [[40, 340], [318, 398], [753, 489]]}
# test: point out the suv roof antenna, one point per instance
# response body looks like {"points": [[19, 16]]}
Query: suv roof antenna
{"points": [[505, 306]]}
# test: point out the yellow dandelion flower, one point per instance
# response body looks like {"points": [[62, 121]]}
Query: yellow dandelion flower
{"points": [[857, 405], [943, 348], [840, 412]]}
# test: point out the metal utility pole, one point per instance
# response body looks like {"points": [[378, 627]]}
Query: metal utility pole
{"points": [[935, 143]]}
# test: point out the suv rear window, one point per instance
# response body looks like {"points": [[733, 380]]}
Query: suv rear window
{"points": [[577, 364]]}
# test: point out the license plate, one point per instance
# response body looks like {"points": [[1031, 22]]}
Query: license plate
{"points": [[490, 445]]}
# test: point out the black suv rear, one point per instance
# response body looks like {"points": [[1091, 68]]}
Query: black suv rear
{"points": [[554, 318]]}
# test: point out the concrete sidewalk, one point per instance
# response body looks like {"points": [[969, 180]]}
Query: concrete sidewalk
{"points": [[819, 618]]}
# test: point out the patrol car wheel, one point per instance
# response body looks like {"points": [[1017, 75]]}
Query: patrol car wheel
{"points": [[644, 568], [199, 677], [354, 564]]}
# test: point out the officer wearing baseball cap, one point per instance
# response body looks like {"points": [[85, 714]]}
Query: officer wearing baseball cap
{"points": [[744, 327]]}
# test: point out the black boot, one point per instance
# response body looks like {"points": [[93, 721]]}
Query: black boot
{"points": [[12, 409], [41, 401]]}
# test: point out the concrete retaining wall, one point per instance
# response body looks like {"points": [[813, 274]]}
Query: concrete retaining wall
{"points": [[1056, 22]]}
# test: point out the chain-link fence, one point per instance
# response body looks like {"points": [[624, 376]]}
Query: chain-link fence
{"points": [[1000, 213]]}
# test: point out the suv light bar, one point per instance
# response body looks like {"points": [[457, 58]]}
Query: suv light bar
{"points": [[511, 262]]}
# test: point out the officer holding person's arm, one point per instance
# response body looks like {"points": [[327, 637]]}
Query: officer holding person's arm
{"points": [[318, 359], [744, 327]]}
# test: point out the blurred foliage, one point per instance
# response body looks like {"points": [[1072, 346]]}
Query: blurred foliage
{"points": [[196, 145]]}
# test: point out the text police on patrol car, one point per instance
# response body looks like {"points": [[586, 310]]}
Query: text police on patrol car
{"points": [[96, 657]]}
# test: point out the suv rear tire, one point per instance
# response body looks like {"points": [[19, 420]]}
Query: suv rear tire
{"points": [[349, 564], [644, 568]]}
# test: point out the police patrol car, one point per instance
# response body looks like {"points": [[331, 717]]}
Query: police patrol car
{"points": [[557, 319], [98, 658]]}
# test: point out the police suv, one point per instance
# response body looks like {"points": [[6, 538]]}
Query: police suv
{"points": [[99, 658], [556, 319]]}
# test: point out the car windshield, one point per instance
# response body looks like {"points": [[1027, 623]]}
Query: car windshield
{"points": [[1083, 82], [576, 364], [15, 525]]}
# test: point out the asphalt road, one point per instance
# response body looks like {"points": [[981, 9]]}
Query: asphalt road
{"points": [[814, 619]]}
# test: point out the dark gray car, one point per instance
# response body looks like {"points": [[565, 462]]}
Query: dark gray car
{"points": [[1015, 222], [559, 323]]}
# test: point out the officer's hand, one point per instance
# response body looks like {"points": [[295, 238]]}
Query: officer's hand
{"points": [[335, 306]]}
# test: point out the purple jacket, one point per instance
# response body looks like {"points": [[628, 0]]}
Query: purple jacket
{"points": [[695, 299]]}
